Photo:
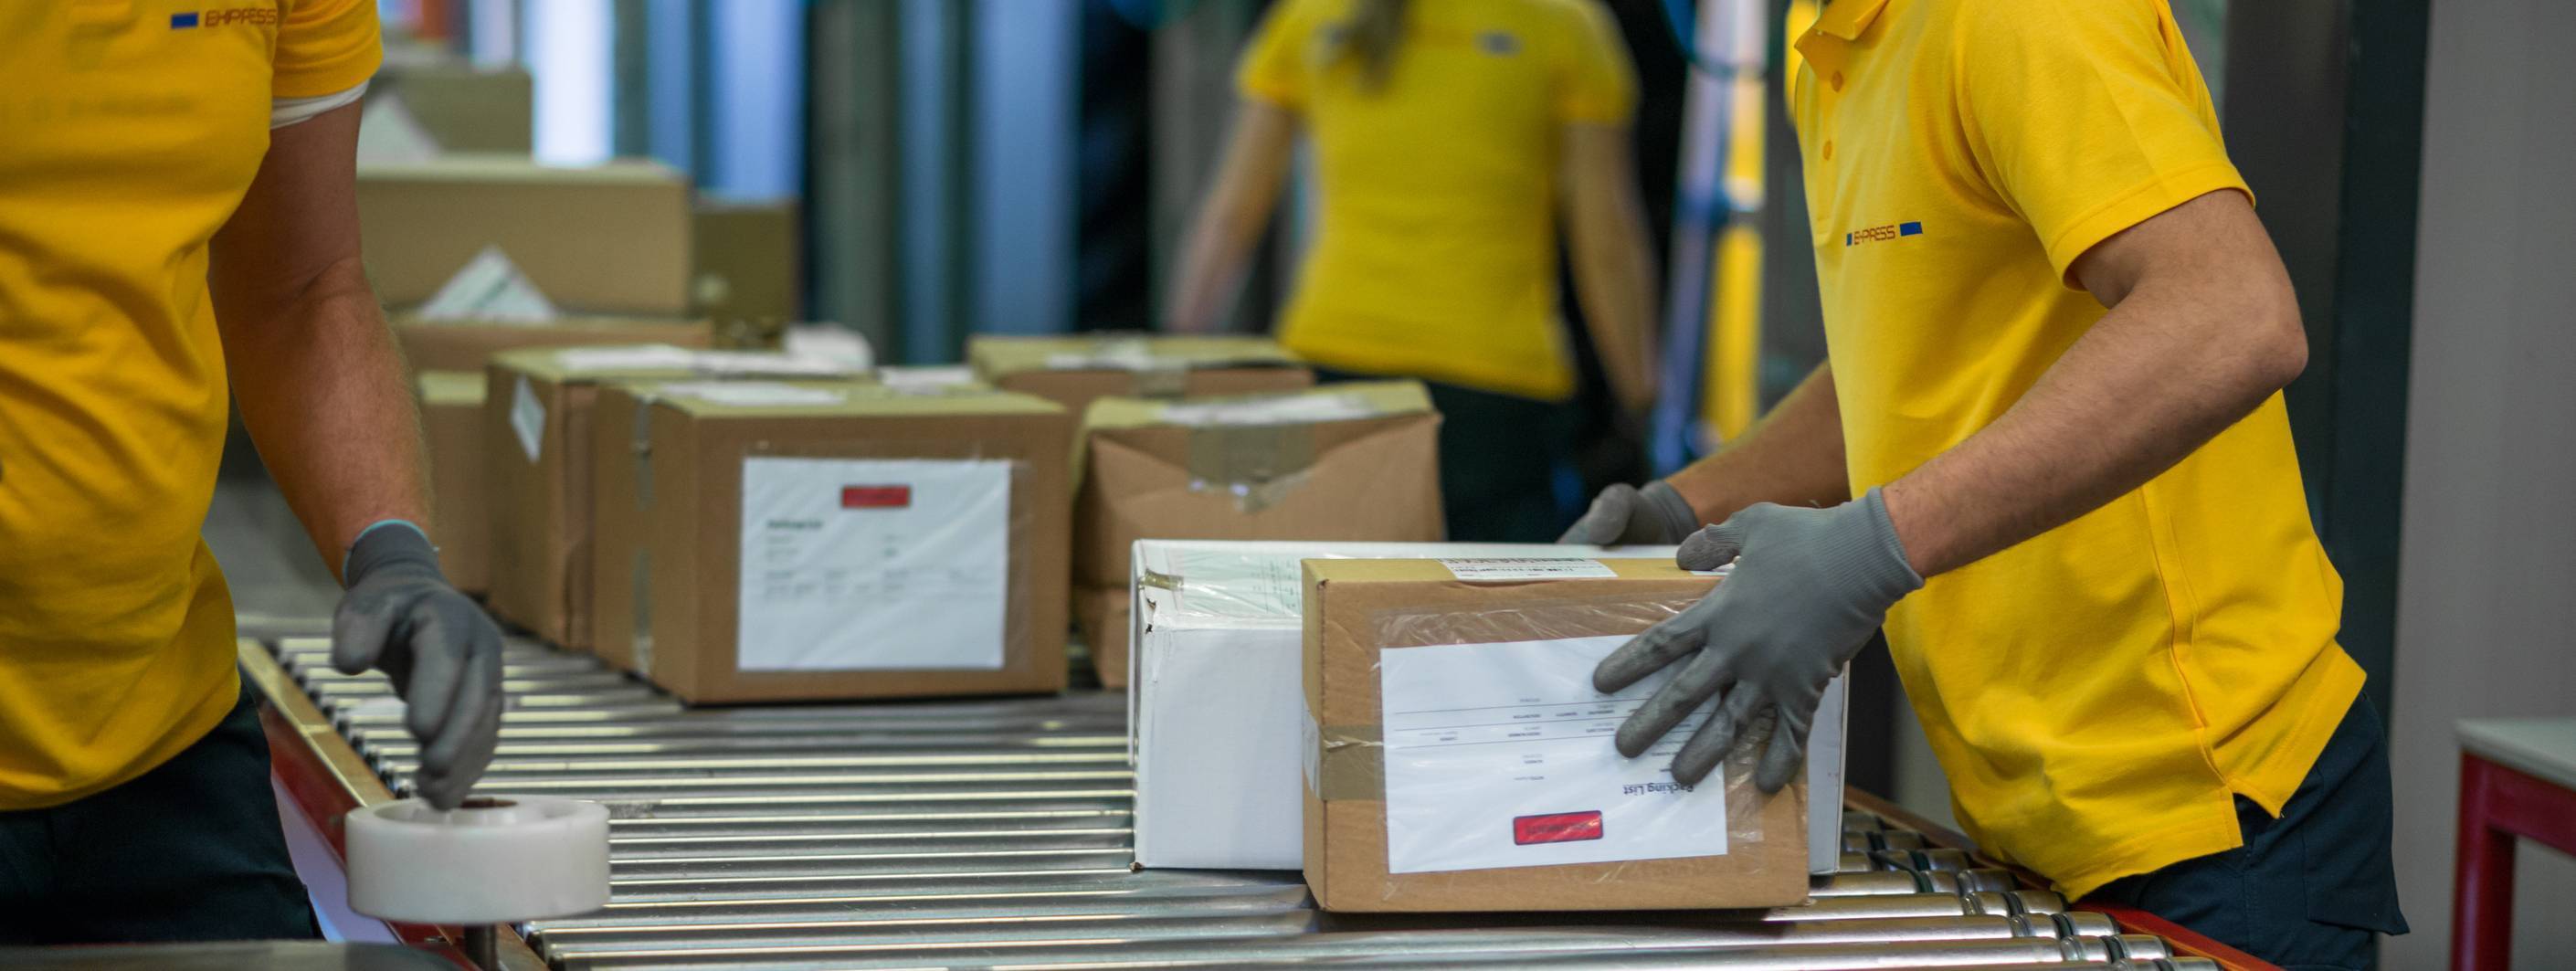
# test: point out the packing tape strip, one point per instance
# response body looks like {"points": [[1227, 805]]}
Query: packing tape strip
{"points": [[1257, 464], [493, 861], [1350, 763], [1163, 379]]}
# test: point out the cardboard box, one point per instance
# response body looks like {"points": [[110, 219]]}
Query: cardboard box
{"points": [[451, 422], [610, 238], [1218, 786], [816, 542], [1071, 371], [447, 345], [1102, 615], [748, 257], [1355, 462], [536, 438], [462, 106], [1462, 762]]}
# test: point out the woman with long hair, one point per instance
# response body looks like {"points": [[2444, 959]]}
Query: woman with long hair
{"points": [[1449, 136]]}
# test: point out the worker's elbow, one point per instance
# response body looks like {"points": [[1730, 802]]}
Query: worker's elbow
{"points": [[2279, 352]]}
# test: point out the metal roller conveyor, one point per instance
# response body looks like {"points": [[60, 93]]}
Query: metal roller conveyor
{"points": [[999, 834]]}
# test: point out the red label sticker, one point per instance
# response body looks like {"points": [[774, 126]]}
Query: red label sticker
{"points": [[1556, 828], [876, 497]]}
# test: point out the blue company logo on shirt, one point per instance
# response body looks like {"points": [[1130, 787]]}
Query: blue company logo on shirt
{"points": [[219, 18], [1881, 234]]}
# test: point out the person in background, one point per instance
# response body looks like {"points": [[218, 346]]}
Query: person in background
{"points": [[2048, 453], [178, 218], [1448, 137]]}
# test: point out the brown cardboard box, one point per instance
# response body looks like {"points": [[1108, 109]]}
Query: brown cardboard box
{"points": [[464, 107], [464, 345], [1357, 461], [747, 260], [610, 238], [1071, 371], [896, 537], [451, 422], [1103, 615], [1360, 612], [536, 440]]}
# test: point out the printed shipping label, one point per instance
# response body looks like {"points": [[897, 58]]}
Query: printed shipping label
{"points": [[1477, 571], [1500, 755], [528, 418], [859, 564]]}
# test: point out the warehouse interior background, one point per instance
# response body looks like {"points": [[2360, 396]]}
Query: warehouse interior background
{"points": [[957, 167]]}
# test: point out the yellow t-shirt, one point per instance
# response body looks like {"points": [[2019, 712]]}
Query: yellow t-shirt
{"points": [[133, 127], [1434, 252], [2099, 693]]}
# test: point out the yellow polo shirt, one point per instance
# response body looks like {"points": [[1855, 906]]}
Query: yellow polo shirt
{"points": [[1434, 251], [129, 130], [2100, 693]]}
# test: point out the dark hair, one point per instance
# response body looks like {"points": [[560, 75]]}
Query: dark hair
{"points": [[1375, 31]]}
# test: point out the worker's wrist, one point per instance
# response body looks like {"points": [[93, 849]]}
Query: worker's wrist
{"points": [[1868, 552], [397, 544]]}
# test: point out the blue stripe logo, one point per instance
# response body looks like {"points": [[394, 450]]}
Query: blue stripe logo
{"points": [[1909, 229], [183, 21]]}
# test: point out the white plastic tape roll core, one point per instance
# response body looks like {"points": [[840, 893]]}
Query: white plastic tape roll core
{"points": [[494, 860]]}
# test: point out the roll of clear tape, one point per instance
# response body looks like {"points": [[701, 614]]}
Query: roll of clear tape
{"points": [[494, 860]]}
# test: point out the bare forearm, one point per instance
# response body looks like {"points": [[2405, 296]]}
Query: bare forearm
{"points": [[1793, 456], [2138, 392], [1231, 218], [1615, 281], [1211, 270], [321, 389], [2202, 328]]}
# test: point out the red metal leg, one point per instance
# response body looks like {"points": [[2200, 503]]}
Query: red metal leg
{"points": [[2482, 876]]}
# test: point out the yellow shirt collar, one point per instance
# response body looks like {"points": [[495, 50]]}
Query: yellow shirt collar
{"points": [[1847, 19]]}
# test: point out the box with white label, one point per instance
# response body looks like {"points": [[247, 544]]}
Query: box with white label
{"points": [[537, 464], [1458, 757], [1219, 786], [773, 541]]}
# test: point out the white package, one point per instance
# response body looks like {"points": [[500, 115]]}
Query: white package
{"points": [[1488, 739], [873, 564]]}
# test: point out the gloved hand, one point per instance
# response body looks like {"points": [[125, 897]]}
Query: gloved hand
{"points": [[1624, 515], [1810, 586], [400, 616]]}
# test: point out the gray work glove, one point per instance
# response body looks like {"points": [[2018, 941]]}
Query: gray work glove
{"points": [[1810, 586], [401, 617], [1624, 515]]}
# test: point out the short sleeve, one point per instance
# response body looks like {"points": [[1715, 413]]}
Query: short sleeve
{"points": [[1595, 81], [325, 47], [1273, 67], [2086, 118]]}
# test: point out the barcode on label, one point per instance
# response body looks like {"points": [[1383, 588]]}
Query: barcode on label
{"points": [[1532, 568]]}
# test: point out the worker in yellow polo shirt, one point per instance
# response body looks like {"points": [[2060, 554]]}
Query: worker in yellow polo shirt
{"points": [[178, 219], [1449, 136], [2047, 453]]}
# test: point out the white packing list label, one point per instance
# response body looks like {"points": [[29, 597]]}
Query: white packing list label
{"points": [[1500, 755], [858, 564], [527, 418], [1528, 568]]}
